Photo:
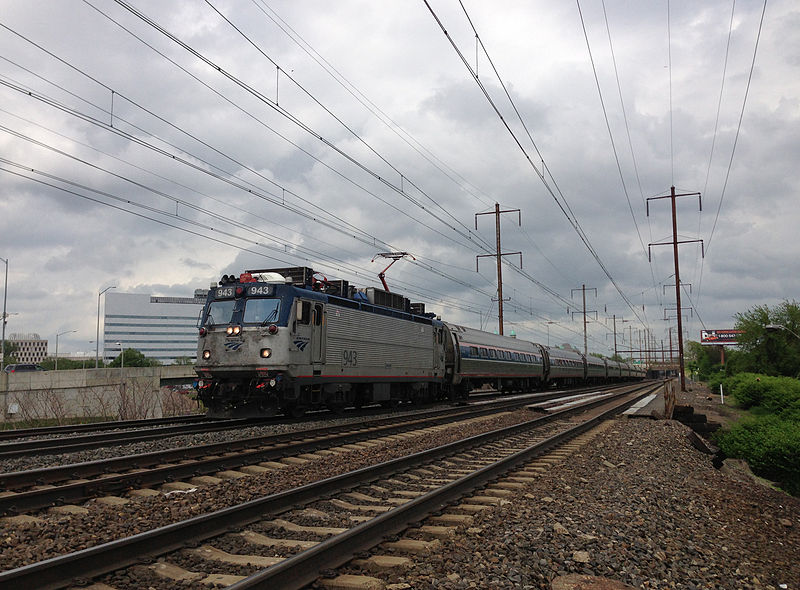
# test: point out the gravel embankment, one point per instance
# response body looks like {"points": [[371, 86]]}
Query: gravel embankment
{"points": [[56, 535], [638, 505], [172, 442]]}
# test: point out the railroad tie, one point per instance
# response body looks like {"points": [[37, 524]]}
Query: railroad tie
{"points": [[412, 546], [296, 528], [382, 562], [264, 541], [351, 582], [211, 553]]}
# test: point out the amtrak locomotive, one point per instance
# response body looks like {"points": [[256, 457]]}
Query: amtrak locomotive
{"points": [[289, 340]]}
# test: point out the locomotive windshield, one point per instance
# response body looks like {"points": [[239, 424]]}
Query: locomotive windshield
{"points": [[261, 311], [220, 312]]}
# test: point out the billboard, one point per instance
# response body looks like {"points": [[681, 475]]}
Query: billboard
{"points": [[720, 337]]}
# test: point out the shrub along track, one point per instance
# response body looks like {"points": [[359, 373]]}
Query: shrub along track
{"points": [[409, 488]]}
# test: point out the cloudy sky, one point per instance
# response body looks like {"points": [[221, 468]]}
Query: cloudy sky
{"points": [[154, 146]]}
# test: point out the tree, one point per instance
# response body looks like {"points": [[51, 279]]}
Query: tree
{"points": [[702, 360], [774, 351], [133, 358], [10, 351], [184, 360], [66, 364]]}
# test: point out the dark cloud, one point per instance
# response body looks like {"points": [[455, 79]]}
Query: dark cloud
{"points": [[239, 159]]}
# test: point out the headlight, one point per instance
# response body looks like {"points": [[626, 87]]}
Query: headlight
{"points": [[266, 353], [233, 330], [229, 330], [206, 354]]}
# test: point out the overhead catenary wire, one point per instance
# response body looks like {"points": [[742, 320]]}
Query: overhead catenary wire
{"points": [[466, 234], [149, 21], [561, 203], [115, 114], [608, 124], [738, 125], [172, 218], [735, 142], [119, 131]]}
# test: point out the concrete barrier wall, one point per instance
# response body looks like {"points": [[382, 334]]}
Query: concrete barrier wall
{"points": [[125, 394]]}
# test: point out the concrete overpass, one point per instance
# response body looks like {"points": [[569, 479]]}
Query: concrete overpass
{"points": [[132, 392]]}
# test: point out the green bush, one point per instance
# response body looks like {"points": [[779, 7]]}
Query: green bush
{"points": [[717, 379], [749, 389], [770, 445], [765, 394]]}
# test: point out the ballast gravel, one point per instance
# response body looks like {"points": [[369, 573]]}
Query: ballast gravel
{"points": [[25, 544], [177, 441], [638, 505]]}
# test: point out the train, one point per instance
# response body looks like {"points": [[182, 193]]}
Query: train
{"points": [[288, 340]]}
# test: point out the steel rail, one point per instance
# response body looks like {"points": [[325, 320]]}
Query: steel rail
{"points": [[77, 567], [251, 450], [17, 433], [81, 443], [49, 475], [303, 568], [78, 443]]}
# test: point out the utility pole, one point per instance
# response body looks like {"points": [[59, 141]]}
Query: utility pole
{"points": [[5, 318], [583, 290], [623, 321], [672, 196], [614, 317], [499, 255], [670, 346]]}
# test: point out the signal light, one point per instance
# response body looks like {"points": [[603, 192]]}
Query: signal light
{"points": [[206, 354], [266, 353], [272, 329], [203, 331]]}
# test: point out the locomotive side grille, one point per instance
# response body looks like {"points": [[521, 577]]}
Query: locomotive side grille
{"points": [[379, 341]]}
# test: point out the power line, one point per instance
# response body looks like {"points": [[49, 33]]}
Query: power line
{"points": [[735, 139], [739, 124], [298, 122], [562, 204], [608, 124]]}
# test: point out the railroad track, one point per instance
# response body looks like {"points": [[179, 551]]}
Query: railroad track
{"points": [[155, 430], [28, 491], [367, 504], [18, 433], [69, 444]]}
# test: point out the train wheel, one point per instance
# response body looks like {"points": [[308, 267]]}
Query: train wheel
{"points": [[295, 411]]}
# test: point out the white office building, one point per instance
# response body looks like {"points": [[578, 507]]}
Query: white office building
{"points": [[30, 348], [161, 328]]}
